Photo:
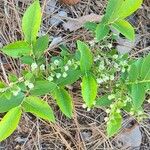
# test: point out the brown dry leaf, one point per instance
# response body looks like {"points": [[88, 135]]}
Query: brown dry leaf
{"points": [[70, 2], [125, 46], [130, 137], [75, 24]]}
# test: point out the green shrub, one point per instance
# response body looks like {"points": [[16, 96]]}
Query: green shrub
{"points": [[125, 80]]}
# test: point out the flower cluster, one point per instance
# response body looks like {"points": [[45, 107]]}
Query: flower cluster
{"points": [[29, 84], [60, 69], [114, 113], [107, 67], [34, 67], [12, 89], [85, 106]]}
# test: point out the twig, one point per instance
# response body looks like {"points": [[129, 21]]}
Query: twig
{"points": [[140, 51], [4, 72]]}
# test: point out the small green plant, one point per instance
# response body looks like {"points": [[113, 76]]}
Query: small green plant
{"points": [[115, 18], [125, 80]]}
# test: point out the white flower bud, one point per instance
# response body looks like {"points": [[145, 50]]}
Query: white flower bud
{"points": [[101, 67], [42, 67], [26, 83], [64, 75], [111, 106], [116, 65], [94, 103], [20, 79], [69, 62], [52, 74], [30, 86], [84, 106], [58, 75], [109, 45], [112, 77], [50, 78], [52, 67], [118, 111], [107, 111], [92, 43], [128, 99], [99, 81], [15, 93], [56, 62], [34, 66], [106, 78], [123, 70], [124, 63], [140, 112], [115, 56], [66, 68], [131, 113], [97, 58], [2, 90], [106, 119], [129, 68], [88, 109], [75, 66]]}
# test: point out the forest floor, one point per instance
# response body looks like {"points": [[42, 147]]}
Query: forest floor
{"points": [[86, 131]]}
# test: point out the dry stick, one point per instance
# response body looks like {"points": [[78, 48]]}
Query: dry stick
{"points": [[140, 51], [44, 4], [4, 72], [78, 129], [57, 128], [31, 130], [17, 16], [38, 134]]}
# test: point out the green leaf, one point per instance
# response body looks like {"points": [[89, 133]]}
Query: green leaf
{"points": [[139, 80], [128, 8], [43, 87], [40, 46], [90, 26], [103, 101], [22, 86], [112, 10], [9, 123], [86, 58], [145, 68], [31, 22], [12, 77], [2, 85], [125, 28], [133, 73], [7, 104], [39, 108], [7, 94], [17, 49], [128, 107], [138, 95], [114, 125], [64, 50], [27, 60], [89, 89], [28, 75], [120, 9], [64, 101], [101, 31], [72, 76]]}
